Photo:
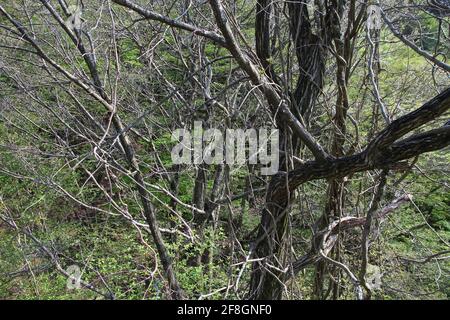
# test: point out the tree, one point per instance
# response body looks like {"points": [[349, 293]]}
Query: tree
{"points": [[299, 67]]}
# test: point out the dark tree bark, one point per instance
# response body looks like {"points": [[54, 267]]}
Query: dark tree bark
{"points": [[381, 153]]}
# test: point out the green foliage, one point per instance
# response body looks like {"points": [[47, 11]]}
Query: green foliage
{"points": [[197, 276], [130, 53]]}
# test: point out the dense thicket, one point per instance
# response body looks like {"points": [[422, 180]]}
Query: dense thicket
{"points": [[91, 92]]}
